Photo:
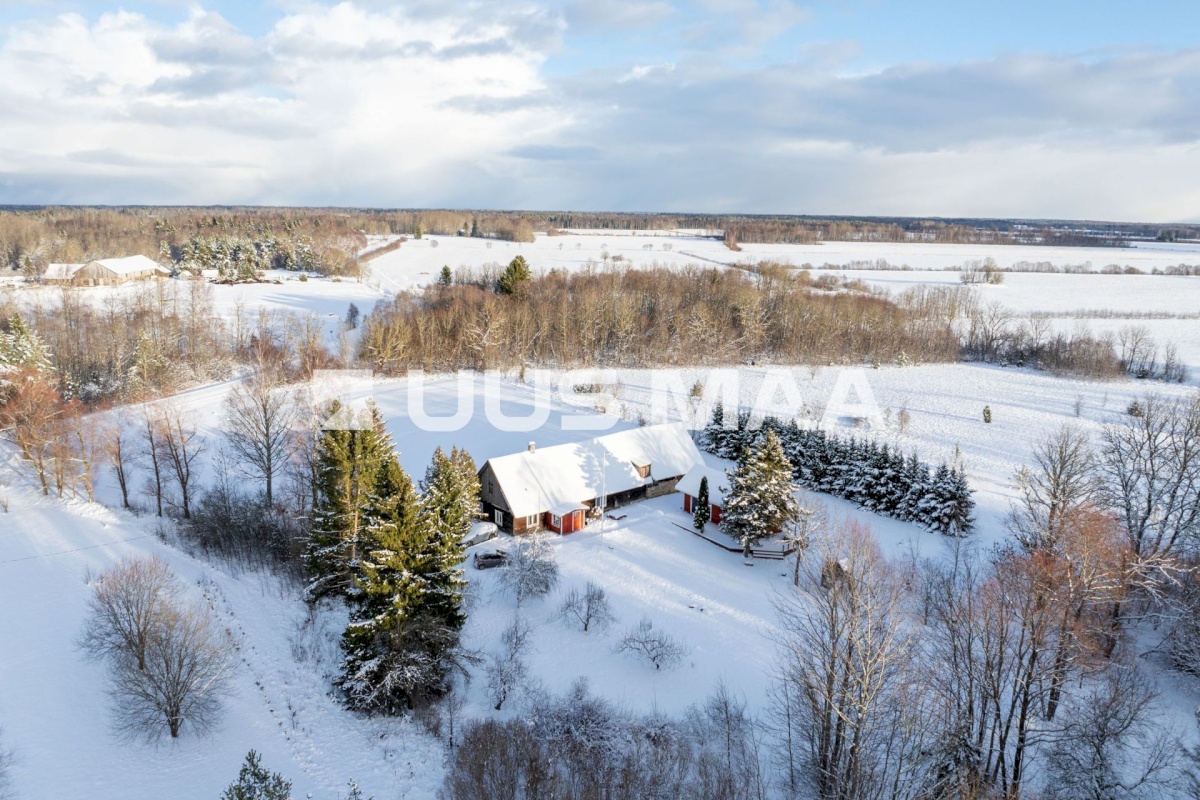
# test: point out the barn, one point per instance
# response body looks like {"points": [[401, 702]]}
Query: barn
{"points": [[718, 484], [557, 488], [105, 272]]}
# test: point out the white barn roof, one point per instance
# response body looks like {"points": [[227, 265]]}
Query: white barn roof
{"points": [[567, 474], [61, 272], [130, 265], [718, 483]]}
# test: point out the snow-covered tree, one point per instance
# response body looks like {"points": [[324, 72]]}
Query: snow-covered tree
{"points": [[21, 348], [654, 645], [589, 608], [531, 569], [353, 464], [761, 498], [406, 615], [256, 782], [449, 507]]}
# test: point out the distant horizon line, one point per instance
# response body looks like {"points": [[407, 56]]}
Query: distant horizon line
{"points": [[21, 207]]}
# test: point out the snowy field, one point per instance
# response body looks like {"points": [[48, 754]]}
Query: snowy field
{"points": [[649, 564], [1168, 306]]}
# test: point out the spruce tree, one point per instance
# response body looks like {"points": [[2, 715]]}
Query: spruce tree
{"points": [[22, 348], [445, 277], [356, 463], [256, 782], [702, 511], [514, 275], [406, 613], [449, 508], [388, 590], [761, 498]]}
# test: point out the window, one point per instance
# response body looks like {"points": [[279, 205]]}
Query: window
{"points": [[556, 521], [531, 521], [499, 518], [491, 487]]}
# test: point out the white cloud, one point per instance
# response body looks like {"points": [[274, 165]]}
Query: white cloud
{"points": [[367, 103]]}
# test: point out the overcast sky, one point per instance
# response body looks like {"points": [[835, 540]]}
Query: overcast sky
{"points": [[1054, 108]]}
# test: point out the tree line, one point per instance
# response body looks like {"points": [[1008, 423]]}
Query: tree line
{"points": [[641, 318]]}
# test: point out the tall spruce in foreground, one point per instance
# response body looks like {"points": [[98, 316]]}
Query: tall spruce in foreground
{"points": [[388, 591], [761, 498], [406, 613], [449, 507], [355, 459], [703, 511]]}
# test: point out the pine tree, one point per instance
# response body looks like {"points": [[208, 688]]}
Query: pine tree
{"points": [[356, 467], [761, 498], [445, 277], [256, 782], [703, 511]]}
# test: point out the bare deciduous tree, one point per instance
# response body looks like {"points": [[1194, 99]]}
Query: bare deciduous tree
{"points": [[188, 659], [656, 646], [846, 652], [180, 446], [6, 761], [127, 600], [1150, 475], [150, 455], [115, 441], [1062, 480], [259, 419], [587, 608], [1110, 745], [507, 669]]}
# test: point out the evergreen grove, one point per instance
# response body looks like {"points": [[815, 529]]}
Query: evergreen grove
{"points": [[395, 556], [875, 477]]}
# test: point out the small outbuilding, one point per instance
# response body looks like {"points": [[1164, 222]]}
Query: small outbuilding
{"points": [[718, 485]]}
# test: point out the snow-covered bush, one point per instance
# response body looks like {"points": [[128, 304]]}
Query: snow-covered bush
{"points": [[531, 569]]}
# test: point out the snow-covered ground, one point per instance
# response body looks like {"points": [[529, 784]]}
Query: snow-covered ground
{"points": [[648, 563], [54, 712]]}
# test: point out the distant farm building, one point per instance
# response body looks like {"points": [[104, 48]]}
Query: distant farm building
{"points": [[557, 488], [105, 272], [718, 484]]}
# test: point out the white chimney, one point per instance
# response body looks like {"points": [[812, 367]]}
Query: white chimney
{"points": [[533, 447]]}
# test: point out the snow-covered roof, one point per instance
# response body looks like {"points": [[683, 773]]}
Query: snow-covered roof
{"points": [[130, 264], [61, 272], [568, 474], [718, 483]]}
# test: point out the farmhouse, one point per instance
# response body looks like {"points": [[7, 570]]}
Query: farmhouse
{"points": [[105, 272], [557, 487], [718, 484]]}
